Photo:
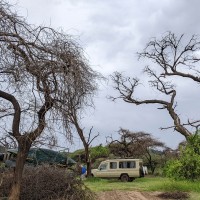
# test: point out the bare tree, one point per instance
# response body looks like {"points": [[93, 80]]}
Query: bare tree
{"points": [[39, 69], [74, 116], [86, 140], [173, 57], [8, 142]]}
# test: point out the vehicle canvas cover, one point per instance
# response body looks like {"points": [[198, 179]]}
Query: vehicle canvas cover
{"points": [[40, 155]]}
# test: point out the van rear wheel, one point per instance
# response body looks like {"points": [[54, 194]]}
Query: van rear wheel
{"points": [[124, 178]]}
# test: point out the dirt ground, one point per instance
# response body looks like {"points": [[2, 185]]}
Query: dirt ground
{"points": [[128, 195]]}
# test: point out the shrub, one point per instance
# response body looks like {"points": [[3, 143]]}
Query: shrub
{"points": [[49, 182], [172, 169], [188, 165], [95, 153]]}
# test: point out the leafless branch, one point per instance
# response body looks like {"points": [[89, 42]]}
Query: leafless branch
{"points": [[170, 54]]}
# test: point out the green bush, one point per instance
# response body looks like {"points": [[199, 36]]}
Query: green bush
{"points": [[188, 165], [99, 152], [173, 169], [95, 153]]}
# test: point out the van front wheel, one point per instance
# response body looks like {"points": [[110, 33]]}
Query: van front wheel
{"points": [[124, 178]]}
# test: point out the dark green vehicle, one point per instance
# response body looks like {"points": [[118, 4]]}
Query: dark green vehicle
{"points": [[37, 156]]}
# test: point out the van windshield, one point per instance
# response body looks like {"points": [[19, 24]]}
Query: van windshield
{"points": [[103, 166]]}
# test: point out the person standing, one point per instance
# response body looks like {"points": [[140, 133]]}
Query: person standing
{"points": [[83, 172]]}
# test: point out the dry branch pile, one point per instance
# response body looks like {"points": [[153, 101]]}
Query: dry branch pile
{"points": [[48, 182]]}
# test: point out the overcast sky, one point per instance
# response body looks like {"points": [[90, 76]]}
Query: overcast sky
{"points": [[111, 32]]}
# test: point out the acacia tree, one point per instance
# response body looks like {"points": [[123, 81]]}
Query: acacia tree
{"points": [[172, 57], [76, 104], [136, 144], [149, 145], [86, 140], [39, 69], [128, 143]]}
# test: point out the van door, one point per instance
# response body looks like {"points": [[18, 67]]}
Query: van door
{"points": [[108, 170], [129, 167], [102, 170], [113, 169]]}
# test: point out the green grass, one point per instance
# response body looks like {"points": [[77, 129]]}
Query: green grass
{"points": [[165, 184], [145, 184]]}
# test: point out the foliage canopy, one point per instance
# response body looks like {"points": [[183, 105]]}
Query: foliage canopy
{"points": [[188, 165]]}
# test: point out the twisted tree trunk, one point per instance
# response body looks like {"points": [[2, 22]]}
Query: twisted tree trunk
{"points": [[23, 149]]}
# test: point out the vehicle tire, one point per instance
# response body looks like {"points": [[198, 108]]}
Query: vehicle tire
{"points": [[124, 178]]}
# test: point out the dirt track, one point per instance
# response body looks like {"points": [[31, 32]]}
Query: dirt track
{"points": [[128, 195]]}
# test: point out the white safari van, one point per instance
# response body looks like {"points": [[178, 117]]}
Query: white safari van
{"points": [[124, 169]]}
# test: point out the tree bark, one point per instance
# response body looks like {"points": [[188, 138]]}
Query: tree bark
{"points": [[24, 147], [88, 161], [85, 144]]}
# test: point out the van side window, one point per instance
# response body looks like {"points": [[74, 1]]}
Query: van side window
{"points": [[127, 164], [113, 165]]}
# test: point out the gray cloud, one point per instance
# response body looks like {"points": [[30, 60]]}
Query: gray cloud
{"points": [[111, 32]]}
